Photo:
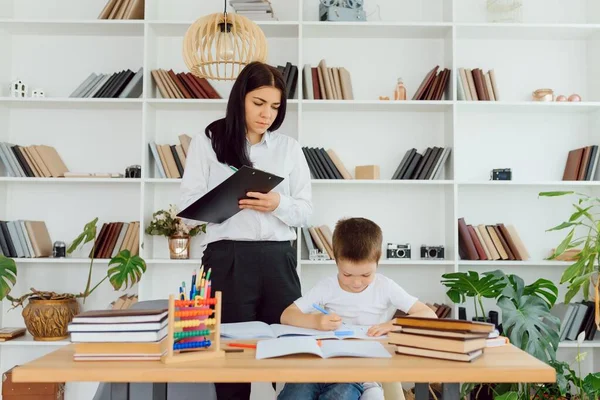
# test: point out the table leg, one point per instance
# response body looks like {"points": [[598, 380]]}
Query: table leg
{"points": [[159, 391], [450, 391], [422, 391], [119, 391]]}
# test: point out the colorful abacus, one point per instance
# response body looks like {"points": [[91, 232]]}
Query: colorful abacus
{"points": [[193, 334]]}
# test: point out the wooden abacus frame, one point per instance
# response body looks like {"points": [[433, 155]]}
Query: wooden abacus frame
{"points": [[193, 353]]}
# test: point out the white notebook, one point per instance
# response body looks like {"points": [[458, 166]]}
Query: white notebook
{"points": [[261, 330], [284, 346]]}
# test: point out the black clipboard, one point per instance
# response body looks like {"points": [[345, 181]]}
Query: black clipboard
{"points": [[222, 202]]}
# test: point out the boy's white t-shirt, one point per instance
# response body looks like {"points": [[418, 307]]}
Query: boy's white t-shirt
{"points": [[370, 307]]}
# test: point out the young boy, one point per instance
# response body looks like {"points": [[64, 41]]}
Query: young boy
{"points": [[358, 296]]}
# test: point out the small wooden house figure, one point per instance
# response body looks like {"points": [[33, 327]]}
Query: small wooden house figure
{"points": [[38, 93], [18, 89]]}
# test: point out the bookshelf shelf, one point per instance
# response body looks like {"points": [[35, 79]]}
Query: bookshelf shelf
{"points": [[377, 105], [412, 262], [71, 103], [399, 182], [74, 181], [272, 29], [199, 104], [67, 260], [528, 107], [563, 184], [27, 340], [514, 31], [463, 264], [378, 29], [73, 27]]}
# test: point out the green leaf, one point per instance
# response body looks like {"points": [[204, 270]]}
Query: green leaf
{"points": [[529, 325], [88, 234], [125, 270], [573, 290], [591, 385], [563, 246], [580, 212], [544, 289], [508, 396], [563, 226], [470, 284], [554, 194], [573, 270], [8, 275]]}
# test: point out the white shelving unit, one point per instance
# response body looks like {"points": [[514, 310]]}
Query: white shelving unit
{"points": [[56, 45]]}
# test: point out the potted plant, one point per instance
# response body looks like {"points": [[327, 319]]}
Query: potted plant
{"points": [[583, 273], [167, 223], [48, 314]]}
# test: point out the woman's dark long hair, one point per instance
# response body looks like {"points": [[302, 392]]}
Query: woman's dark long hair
{"points": [[228, 135]]}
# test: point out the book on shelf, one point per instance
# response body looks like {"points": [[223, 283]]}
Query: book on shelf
{"points": [[115, 237], [581, 164], [31, 161], [256, 10], [9, 333], [490, 242], [122, 84], [122, 9], [182, 85], [428, 165], [124, 302], [290, 77], [476, 85], [326, 83], [434, 85], [25, 239], [170, 159], [319, 242], [324, 164], [447, 339], [574, 319]]}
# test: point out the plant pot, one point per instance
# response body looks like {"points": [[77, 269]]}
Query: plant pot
{"points": [[179, 247], [47, 320]]}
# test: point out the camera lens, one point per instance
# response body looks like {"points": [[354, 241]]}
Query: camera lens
{"points": [[432, 253], [401, 253]]}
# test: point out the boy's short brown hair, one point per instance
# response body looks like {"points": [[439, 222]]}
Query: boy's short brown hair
{"points": [[356, 240]]}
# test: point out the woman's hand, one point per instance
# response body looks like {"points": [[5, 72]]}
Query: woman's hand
{"points": [[261, 202]]}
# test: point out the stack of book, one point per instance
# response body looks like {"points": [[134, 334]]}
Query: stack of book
{"points": [[581, 164], [122, 84], [115, 237], [475, 85], [31, 161], [490, 242], [24, 239], [326, 83], [576, 318], [447, 339], [433, 86], [182, 85], [428, 165], [112, 335], [290, 77], [123, 9], [256, 10], [325, 164], [318, 240], [170, 159]]}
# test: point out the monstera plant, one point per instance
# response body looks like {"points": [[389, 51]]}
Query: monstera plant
{"points": [[47, 313]]}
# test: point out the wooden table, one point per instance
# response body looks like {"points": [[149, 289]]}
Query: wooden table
{"points": [[498, 364]]}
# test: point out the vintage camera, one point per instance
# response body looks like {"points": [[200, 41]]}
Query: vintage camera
{"points": [[341, 10], [432, 252], [501, 174], [133, 171], [398, 250]]}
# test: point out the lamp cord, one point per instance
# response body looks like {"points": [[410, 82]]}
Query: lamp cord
{"points": [[225, 9]]}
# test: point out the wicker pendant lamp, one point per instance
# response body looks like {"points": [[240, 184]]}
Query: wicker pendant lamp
{"points": [[218, 46]]}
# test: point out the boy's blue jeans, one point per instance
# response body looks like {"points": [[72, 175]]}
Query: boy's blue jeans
{"points": [[321, 391]]}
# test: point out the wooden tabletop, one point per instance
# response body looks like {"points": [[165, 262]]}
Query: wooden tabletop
{"points": [[498, 364]]}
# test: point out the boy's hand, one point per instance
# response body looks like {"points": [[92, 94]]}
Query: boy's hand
{"points": [[381, 329], [329, 322]]}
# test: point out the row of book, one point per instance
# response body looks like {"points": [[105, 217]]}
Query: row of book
{"points": [[24, 239], [121, 85], [119, 334], [325, 164], [447, 339], [326, 83], [574, 319], [476, 85], [428, 165], [123, 9], [318, 240], [290, 77], [582, 164], [256, 10], [170, 159], [115, 237], [182, 85], [434, 85], [490, 242], [31, 161]]}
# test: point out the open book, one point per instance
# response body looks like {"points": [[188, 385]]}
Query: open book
{"points": [[329, 348], [260, 330]]}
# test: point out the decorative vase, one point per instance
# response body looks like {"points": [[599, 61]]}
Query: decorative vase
{"points": [[179, 247], [48, 320]]}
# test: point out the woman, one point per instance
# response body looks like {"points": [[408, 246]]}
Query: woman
{"points": [[253, 263]]}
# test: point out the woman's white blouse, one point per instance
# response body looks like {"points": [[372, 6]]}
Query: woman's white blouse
{"points": [[275, 153]]}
